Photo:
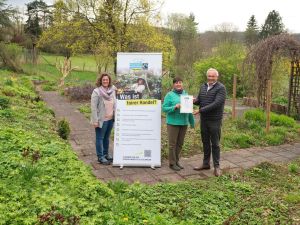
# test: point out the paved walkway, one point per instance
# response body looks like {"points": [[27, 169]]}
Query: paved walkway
{"points": [[82, 140]]}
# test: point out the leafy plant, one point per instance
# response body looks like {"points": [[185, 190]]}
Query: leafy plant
{"points": [[4, 102], [85, 109], [49, 87], [293, 168], [63, 129], [8, 82], [30, 169], [281, 100], [54, 217]]}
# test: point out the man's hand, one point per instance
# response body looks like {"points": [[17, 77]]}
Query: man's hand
{"points": [[196, 112], [177, 106], [96, 125]]}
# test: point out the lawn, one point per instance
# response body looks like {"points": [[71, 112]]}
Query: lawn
{"points": [[46, 71], [43, 182], [80, 62]]}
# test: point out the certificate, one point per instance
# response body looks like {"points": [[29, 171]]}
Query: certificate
{"points": [[186, 104]]}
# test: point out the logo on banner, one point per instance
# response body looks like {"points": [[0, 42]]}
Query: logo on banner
{"points": [[138, 66]]}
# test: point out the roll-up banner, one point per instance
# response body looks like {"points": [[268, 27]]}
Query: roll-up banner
{"points": [[137, 134]]}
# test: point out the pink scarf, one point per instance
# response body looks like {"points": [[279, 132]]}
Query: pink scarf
{"points": [[106, 93]]}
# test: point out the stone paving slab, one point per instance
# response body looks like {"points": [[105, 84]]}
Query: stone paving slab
{"points": [[82, 140]]}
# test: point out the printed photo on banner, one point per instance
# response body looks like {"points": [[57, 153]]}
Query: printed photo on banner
{"points": [[139, 76]]}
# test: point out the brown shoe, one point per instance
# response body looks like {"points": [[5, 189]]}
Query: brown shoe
{"points": [[179, 165], [217, 172], [202, 168]]}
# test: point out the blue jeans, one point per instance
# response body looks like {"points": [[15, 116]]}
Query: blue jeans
{"points": [[102, 138]]}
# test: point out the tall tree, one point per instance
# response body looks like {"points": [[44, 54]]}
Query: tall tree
{"points": [[183, 30], [6, 15], [273, 25], [252, 31], [226, 32], [39, 18]]}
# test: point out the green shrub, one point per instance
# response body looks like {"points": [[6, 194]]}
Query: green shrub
{"points": [[259, 115], [274, 139], [279, 130], [282, 120], [9, 91], [63, 129], [118, 186], [239, 140], [8, 82], [6, 113], [4, 102], [255, 126], [244, 140], [255, 115], [280, 100], [293, 168]]}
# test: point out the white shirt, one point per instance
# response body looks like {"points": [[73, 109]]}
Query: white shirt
{"points": [[138, 88], [210, 86]]}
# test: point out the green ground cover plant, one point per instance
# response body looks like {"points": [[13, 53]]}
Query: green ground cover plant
{"points": [[43, 181]]}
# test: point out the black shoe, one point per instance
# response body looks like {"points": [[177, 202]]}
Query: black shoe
{"points": [[109, 158], [175, 167]]}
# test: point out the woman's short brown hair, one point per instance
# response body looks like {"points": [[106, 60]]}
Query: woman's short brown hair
{"points": [[177, 79], [99, 79]]}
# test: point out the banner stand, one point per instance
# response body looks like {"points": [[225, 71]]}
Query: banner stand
{"points": [[137, 133]]}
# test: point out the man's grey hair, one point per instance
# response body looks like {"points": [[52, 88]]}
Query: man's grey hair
{"points": [[214, 70]]}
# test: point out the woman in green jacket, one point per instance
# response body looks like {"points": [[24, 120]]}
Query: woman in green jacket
{"points": [[176, 122]]}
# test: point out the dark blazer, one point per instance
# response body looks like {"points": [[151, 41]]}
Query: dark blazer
{"points": [[211, 103]]}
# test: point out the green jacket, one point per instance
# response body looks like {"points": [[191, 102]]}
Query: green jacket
{"points": [[174, 117]]}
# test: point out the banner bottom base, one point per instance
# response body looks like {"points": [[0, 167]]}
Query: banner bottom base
{"points": [[152, 166]]}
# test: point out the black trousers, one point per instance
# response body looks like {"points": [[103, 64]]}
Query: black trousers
{"points": [[211, 134]]}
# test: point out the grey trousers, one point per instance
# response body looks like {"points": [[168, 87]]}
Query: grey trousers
{"points": [[211, 134], [176, 134]]}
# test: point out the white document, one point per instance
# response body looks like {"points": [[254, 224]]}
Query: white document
{"points": [[186, 104]]}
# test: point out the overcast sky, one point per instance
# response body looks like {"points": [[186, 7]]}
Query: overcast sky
{"points": [[210, 13]]}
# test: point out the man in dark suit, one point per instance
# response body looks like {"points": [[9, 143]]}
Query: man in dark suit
{"points": [[211, 101]]}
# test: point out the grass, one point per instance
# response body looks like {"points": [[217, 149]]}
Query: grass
{"points": [[85, 71], [81, 62], [43, 182]]}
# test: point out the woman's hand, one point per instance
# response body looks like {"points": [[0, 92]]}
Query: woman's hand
{"points": [[96, 125], [177, 106]]}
